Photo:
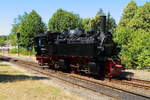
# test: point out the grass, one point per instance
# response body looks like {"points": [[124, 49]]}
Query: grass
{"points": [[28, 88], [6, 69]]}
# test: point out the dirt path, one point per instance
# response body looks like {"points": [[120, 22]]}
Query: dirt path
{"points": [[140, 74]]}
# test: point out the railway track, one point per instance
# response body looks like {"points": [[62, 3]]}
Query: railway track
{"points": [[85, 83], [142, 85], [141, 81]]}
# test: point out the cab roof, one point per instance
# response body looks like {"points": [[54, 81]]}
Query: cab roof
{"points": [[46, 35]]}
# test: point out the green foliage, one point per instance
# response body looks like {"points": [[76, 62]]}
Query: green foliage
{"points": [[100, 12], [29, 27], [110, 22], [13, 39], [22, 51], [133, 35], [15, 28], [141, 20], [62, 21], [136, 52], [123, 35], [86, 23], [17, 22], [2, 41], [128, 13], [95, 22]]}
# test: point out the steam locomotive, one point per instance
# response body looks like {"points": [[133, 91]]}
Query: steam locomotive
{"points": [[94, 53]]}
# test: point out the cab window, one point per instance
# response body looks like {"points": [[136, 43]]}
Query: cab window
{"points": [[42, 41]]}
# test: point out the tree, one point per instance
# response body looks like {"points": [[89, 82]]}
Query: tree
{"points": [[86, 22], [110, 22], [135, 53], [133, 35], [100, 12], [29, 27], [15, 27], [95, 22], [17, 22], [123, 31], [62, 21], [2, 40], [128, 13], [123, 35], [141, 20]]}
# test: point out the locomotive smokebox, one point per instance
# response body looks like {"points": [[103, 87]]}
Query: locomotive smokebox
{"points": [[103, 23]]}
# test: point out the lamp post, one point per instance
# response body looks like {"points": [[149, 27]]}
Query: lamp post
{"points": [[18, 37]]}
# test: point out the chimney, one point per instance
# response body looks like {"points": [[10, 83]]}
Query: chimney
{"points": [[103, 23]]}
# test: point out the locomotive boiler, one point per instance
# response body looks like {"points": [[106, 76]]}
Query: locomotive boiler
{"points": [[92, 53]]}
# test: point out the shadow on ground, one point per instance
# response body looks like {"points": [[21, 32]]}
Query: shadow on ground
{"points": [[5, 59], [125, 76], [14, 78]]}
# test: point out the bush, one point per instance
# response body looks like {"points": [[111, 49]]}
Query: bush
{"points": [[135, 51], [22, 51]]}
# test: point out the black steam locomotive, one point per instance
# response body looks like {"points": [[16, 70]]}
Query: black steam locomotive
{"points": [[92, 53]]}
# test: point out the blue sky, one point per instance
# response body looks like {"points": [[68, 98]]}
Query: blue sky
{"points": [[10, 9]]}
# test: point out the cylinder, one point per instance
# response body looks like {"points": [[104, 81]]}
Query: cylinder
{"points": [[103, 23]]}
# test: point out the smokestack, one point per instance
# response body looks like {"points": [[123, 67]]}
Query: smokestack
{"points": [[103, 23]]}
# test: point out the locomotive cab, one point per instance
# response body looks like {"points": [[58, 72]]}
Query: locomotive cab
{"points": [[41, 45]]}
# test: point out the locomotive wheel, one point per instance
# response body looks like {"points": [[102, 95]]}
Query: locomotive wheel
{"points": [[67, 66], [51, 65]]}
